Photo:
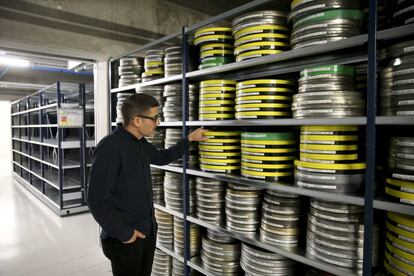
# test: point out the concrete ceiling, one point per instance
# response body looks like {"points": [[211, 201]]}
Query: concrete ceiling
{"points": [[47, 32], [17, 82], [211, 7], [215, 7], [90, 29]]}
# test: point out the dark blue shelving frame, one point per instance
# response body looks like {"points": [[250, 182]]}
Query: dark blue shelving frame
{"points": [[56, 91], [363, 49]]}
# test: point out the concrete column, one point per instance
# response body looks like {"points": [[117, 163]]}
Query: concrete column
{"points": [[101, 94]]}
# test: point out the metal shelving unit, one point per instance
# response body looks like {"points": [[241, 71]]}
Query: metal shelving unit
{"points": [[297, 255], [51, 161], [361, 48]]}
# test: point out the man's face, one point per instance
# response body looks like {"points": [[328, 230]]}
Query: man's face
{"points": [[147, 126]]}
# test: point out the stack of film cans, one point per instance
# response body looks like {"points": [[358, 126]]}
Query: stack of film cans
{"points": [[173, 192], [330, 159], [178, 268], [361, 77], [217, 100], [153, 90], [153, 65], [130, 70], [173, 62], [403, 12], [220, 152], [260, 33], [220, 254], [264, 99], [335, 234], [157, 139], [399, 244], [174, 135], [242, 209], [210, 200], [165, 233], [173, 105], [399, 183], [268, 155], [328, 92], [259, 262], [157, 179], [319, 22], [162, 265], [281, 218], [195, 237], [121, 97], [397, 80], [216, 46]]}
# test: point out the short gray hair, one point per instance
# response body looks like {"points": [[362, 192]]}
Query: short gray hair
{"points": [[137, 104]]}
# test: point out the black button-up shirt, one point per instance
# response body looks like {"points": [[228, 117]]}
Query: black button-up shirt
{"points": [[120, 189]]}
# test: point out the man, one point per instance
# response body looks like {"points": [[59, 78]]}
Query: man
{"points": [[120, 189]]}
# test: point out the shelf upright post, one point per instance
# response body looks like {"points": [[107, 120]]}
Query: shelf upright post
{"points": [[41, 147], [186, 198], [82, 169], [21, 119], [110, 95], [371, 138], [60, 150], [30, 135]]}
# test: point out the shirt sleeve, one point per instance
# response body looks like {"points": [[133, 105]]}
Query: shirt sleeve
{"points": [[165, 156], [102, 180]]}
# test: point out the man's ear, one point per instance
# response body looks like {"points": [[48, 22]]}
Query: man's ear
{"points": [[136, 121]]}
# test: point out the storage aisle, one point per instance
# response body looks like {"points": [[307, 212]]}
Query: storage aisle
{"points": [[36, 242]]}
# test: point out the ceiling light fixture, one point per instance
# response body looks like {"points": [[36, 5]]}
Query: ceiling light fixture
{"points": [[14, 62]]}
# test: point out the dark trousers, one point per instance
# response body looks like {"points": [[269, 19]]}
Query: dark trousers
{"points": [[134, 259]]}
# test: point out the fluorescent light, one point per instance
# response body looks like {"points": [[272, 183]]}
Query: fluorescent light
{"points": [[15, 62], [72, 64]]}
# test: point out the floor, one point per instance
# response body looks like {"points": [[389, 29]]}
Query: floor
{"points": [[34, 241]]}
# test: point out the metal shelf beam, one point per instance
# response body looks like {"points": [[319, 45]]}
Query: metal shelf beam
{"points": [[161, 81], [168, 211], [53, 105], [34, 126], [196, 264], [281, 122], [379, 204], [54, 143], [288, 55], [386, 205], [395, 120], [357, 200], [396, 32], [170, 252]]}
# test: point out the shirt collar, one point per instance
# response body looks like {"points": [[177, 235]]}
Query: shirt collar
{"points": [[129, 134]]}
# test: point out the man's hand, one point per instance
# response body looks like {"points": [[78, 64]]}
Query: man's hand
{"points": [[135, 236], [197, 135]]}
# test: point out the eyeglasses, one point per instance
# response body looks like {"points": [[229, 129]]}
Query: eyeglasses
{"points": [[154, 119]]}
